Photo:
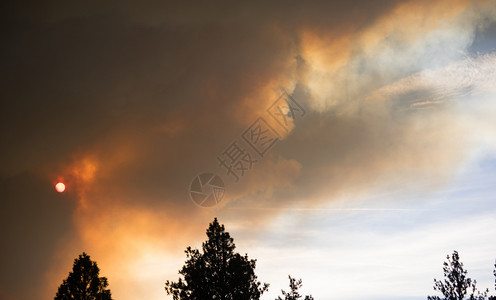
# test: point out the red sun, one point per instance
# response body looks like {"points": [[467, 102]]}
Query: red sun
{"points": [[60, 187]]}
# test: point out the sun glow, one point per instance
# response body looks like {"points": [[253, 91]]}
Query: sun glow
{"points": [[60, 187]]}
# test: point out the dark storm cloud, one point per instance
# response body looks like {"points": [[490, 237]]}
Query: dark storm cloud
{"points": [[131, 100], [85, 78], [73, 75], [34, 223], [163, 83]]}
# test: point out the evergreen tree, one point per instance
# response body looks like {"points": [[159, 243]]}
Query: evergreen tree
{"points": [[293, 294], [456, 284], [494, 273], [83, 283], [217, 272]]}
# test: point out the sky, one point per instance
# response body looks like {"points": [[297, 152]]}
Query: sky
{"points": [[352, 143]]}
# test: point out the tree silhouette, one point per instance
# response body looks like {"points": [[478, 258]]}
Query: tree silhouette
{"points": [[456, 284], [293, 294], [217, 272], [83, 282], [494, 273]]}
